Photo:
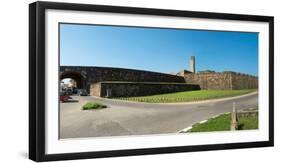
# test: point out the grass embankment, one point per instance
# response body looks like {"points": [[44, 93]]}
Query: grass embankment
{"points": [[92, 105], [188, 96], [222, 123]]}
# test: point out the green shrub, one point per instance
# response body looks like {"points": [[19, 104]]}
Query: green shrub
{"points": [[93, 105]]}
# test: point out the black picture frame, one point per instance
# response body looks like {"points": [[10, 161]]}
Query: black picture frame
{"points": [[37, 80]]}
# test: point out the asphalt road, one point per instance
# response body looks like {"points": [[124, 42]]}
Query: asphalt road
{"points": [[131, 118]]}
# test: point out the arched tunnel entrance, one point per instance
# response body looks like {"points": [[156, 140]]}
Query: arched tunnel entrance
{"points": [[77, 77]]}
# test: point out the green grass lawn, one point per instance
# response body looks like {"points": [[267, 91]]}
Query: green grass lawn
{"points": [[248, 123], [188, 96], [222, 123]]}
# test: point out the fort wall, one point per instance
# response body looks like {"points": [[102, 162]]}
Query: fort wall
{"points": [[222, 81], [90, 75], [133, 89], [117, 82], [244, 81]]}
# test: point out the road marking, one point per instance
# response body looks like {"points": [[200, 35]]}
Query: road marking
{"points": [[185, 129], [203, 121]]}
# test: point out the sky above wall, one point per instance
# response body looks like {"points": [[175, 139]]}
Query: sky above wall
{"points": [[158, 49]]}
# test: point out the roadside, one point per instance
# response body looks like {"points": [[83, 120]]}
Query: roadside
{"points": [[188, 96], [247, 120], [119, 101]]}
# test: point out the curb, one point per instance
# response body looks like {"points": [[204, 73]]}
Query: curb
{"points": [[185, 130]]}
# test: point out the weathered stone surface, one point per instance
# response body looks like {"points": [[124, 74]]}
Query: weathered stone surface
{"points": [[218, 81], [129, 82], [222, 81], [128, 89], [243, 81], [85, 76]]}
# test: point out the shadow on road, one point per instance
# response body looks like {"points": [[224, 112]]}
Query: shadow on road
{"points": [[71, 101]]}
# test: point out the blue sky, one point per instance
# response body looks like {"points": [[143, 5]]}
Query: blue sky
{"points": [[155, 49]]}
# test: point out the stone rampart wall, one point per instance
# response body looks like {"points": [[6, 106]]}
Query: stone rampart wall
{"points": [[242, 81], [210, 80], [91, 75], [133, 89], [222, 81]]}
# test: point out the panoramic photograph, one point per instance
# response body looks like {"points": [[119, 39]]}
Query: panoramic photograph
{"points": [[128, 81]]}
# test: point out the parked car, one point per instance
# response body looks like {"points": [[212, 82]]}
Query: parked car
{"points": [[69, 91], [64, 97], [75, 91], [82, 92]]}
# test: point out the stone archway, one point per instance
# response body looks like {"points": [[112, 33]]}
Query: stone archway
{"points": [[80, 79]]}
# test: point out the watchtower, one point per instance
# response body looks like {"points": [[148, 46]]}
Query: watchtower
{"points": [[192, 64]]}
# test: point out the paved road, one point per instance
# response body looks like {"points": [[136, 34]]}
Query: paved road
{"points": [[129, 118]]}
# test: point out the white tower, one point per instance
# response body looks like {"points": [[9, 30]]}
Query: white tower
{"points": [[192, 64]]}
